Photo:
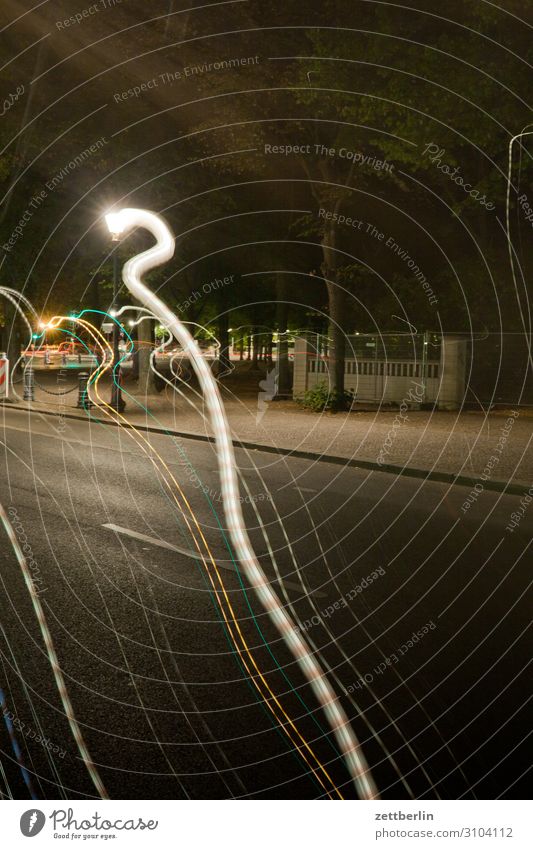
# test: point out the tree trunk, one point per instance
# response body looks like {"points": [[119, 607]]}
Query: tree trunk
{"points": [[337, 311], [255, 348], [283, 381], [337, 337], [145, 336], [223, 362], [134, 333], [330, 272]]}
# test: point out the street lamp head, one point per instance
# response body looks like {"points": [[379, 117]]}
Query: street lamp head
{"points": [[115, 224], [120, 223]]}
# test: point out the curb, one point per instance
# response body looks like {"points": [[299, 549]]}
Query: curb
{"points": [[389, 468]]}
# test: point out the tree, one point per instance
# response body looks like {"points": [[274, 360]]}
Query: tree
{"points": [[379, 88], [381, 85]]}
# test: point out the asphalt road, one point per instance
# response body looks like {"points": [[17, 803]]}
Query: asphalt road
{"points": [[364, 559]]}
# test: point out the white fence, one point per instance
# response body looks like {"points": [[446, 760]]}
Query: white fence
{"points": [[54, 360], [430, 370]]}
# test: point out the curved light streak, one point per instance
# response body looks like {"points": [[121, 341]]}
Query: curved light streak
{"points": [[123, 222], [56, 668], [221, 595], [16, 298]]}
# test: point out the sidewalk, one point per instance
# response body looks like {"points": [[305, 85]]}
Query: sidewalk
{"points": [[438, 442]]}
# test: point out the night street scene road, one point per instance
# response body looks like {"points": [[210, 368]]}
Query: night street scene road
{"points": [[266, 405]]}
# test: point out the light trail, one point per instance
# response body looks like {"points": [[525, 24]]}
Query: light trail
{"points": [[255, 676], [56, 669], [16, 746], [133, 271], [16, 298], [310, 593]]}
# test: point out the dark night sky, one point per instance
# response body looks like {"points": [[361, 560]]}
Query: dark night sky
{"points": [[184, 100]]}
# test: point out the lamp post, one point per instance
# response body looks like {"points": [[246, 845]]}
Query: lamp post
{"points": [[117, 401]]}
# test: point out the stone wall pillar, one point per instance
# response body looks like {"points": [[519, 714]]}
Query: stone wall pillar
{"points": [[301, 364], [452, 373]]}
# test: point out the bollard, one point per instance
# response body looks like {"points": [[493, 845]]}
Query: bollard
{"points": [[84, 402], [4, 376], [46, 357], [29, 384], [63, 359]]}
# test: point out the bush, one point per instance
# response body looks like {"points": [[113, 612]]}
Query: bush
{"points": [[321, 398]]}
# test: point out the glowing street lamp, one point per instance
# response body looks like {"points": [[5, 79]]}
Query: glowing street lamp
{"points": [[116, 227]]}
